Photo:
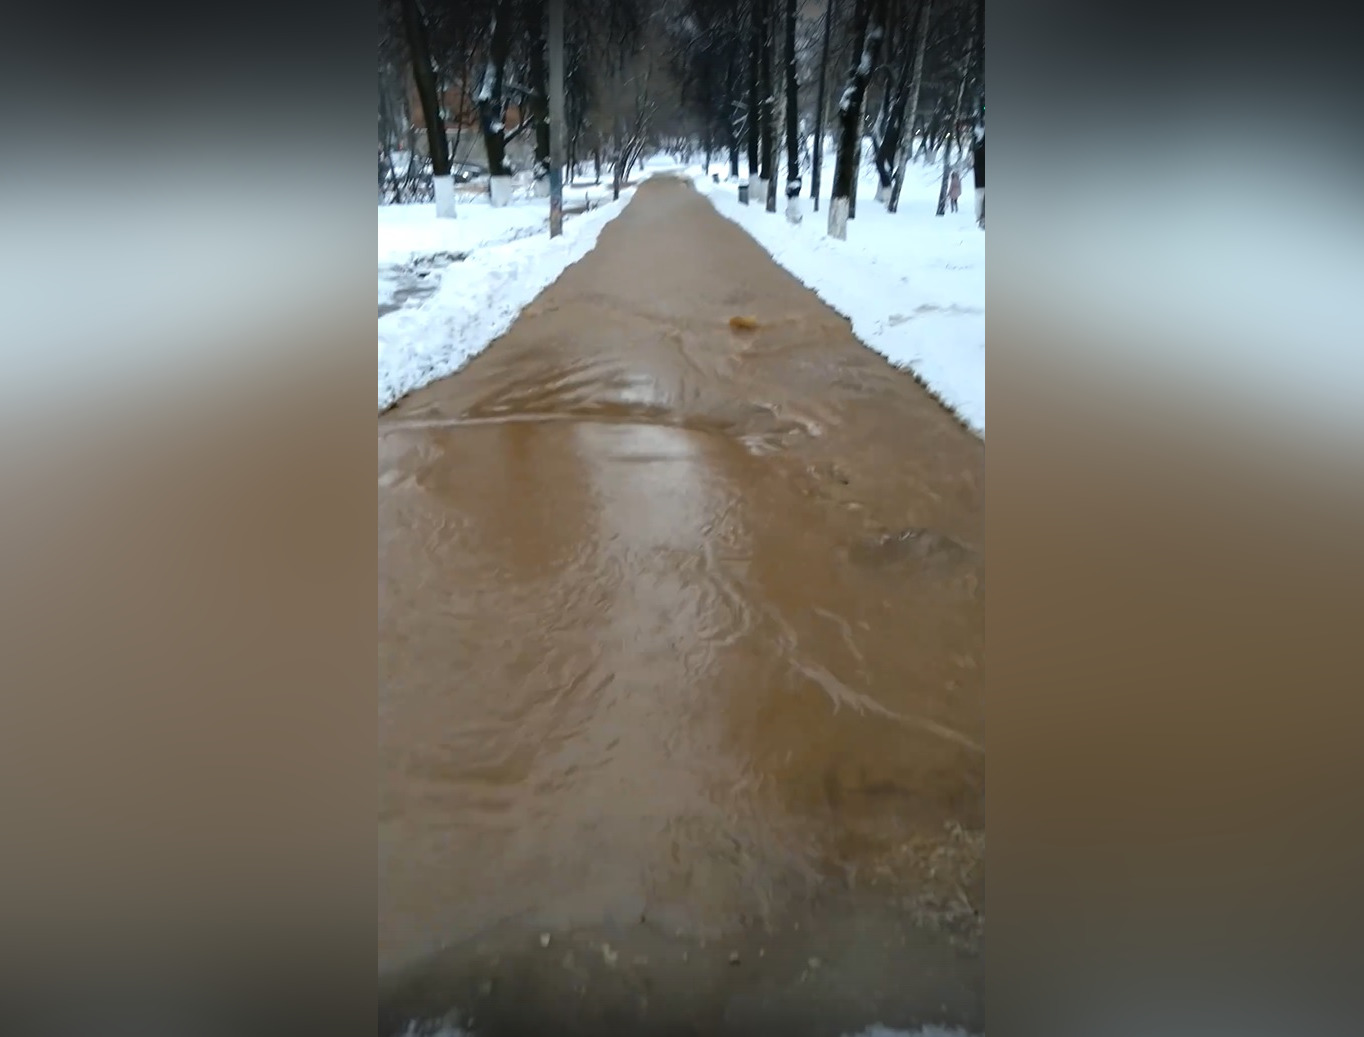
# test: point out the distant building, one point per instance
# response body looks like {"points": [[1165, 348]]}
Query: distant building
{"points": [[461, 114]]}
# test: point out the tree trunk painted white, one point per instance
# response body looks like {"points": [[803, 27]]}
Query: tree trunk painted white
{"points": [[445, 196], [838, 218], [867, 36], [793, 210], [817, 156], [980, 208], [542, 187], [761, 193], [882, 192], [499, 191]]}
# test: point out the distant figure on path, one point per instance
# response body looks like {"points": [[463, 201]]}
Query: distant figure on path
{"points": [[954, 189]]}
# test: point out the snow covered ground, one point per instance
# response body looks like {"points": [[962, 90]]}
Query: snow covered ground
{"points": [[912, 283], [479, 296], [489, 265], [410, 234]]}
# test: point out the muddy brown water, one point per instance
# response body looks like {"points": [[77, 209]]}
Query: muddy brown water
{"points": [[681, 649]]}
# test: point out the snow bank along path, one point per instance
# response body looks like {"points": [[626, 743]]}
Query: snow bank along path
{"points": [[911, 283], [477, 301]]}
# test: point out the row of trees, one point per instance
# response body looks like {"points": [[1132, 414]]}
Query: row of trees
{"points": [[769, 78], [904, 73], [470, 62]]}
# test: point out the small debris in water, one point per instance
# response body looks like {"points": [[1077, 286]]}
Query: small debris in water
{"points": [[608, 955], [568, 960], [815, 963], [685, 956], [486, 988], [743, 323], [544, 939], [734, 957]]}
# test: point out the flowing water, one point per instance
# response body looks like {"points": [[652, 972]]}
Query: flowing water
{"points": [[680, 663]]}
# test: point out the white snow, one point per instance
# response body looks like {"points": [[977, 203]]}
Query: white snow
{"points": [[409, 231], [479, 297], [912, 283], [509, 260]]}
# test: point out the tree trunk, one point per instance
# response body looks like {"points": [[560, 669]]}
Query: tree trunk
{"points": [[765, 105], [754, 66], [857, 174], [892, 134], [415, 28], [792, 119], [912, 108], [733, 158], [491, 107], [617, 158], [881, 130], [867, 33], [818, 150], [980, 182], [538, 101], [951, 137], [556, 121]]}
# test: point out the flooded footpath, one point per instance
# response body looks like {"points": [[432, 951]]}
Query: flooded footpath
{"points": [[681, 649]]}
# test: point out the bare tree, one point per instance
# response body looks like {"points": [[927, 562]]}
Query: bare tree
{"points": [[492, 107], [419, 54], [895, 118], [954, 127], [754, 74], [792, 119], [557, 120], [912, 107], [867, 33], [536, 98], [817, 155], [628, 72], [633, 129], [767, 103]]}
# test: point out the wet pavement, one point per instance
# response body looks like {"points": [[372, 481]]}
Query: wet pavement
{"points": [[681, 647]]}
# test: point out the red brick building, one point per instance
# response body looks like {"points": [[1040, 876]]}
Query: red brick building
{"points": [[461, 111]]}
